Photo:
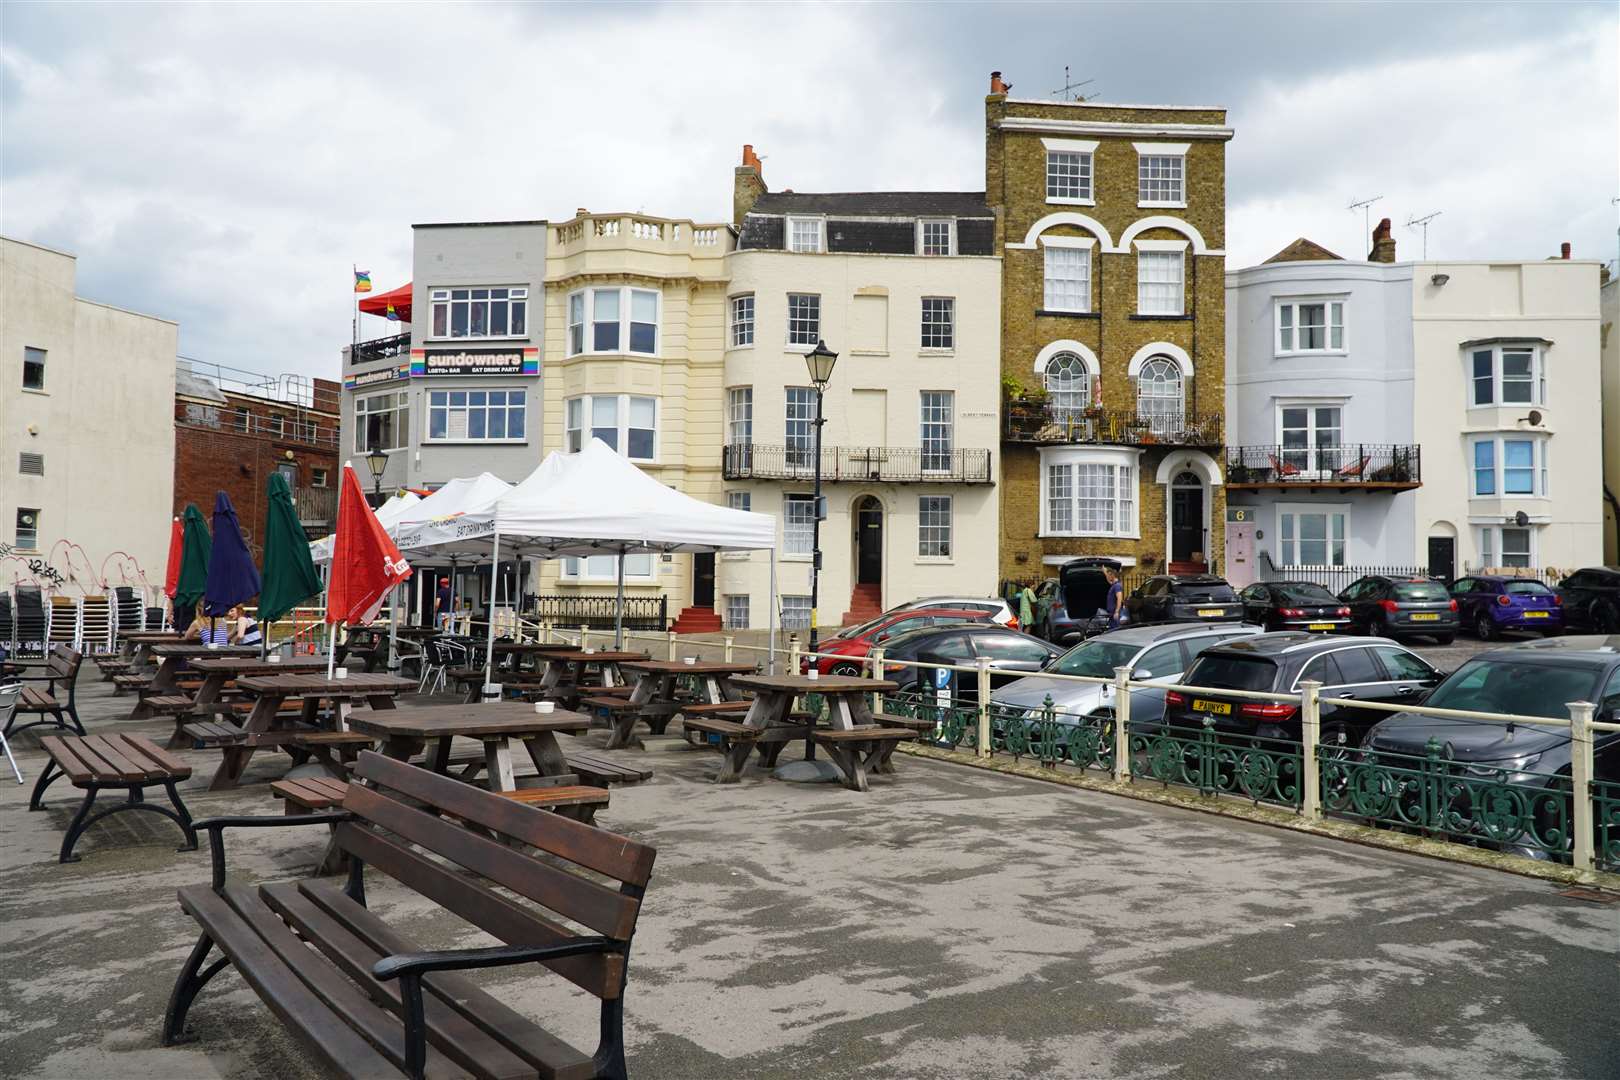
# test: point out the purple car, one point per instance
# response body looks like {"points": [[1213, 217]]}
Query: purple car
{"points": [[1489, 604]]}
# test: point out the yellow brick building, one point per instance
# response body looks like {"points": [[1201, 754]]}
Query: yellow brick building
{"points": [[1111, 223]]}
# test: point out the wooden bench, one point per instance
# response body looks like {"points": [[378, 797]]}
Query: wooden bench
{"points": [[599, 770], [204, 734], [719, 732], [857, 750], [314, 793], [110, 667], [304, 945], [335, 749], [129, 763], [910, 723], [61, 670], [130, 682]]}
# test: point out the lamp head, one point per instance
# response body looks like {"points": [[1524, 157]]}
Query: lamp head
{"points": [[820, 361], [1439, 279], [377, 461]]}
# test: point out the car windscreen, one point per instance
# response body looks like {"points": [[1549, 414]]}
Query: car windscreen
{"points": [[1232, 672], [1218, 591], [1527, 588], [863, 629], [1096, 658], [1304, 594], [1515, 686], [1421, 591]]}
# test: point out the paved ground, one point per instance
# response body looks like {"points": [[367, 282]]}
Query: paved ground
{"points": [[950, 923]]}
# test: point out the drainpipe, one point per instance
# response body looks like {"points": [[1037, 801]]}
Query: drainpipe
{"points": [[1614, 507]]}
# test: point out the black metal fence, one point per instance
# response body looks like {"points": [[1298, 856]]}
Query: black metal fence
{"points": [[1046, 422], [599, 611], [1337, 578], [1370, 464], [848, 464], [380, 349]]}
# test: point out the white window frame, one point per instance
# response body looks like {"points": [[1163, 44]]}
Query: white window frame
{"points": [[931, 532], [1156, 152], [735, 603], [444, 299], [1489, 538], [791, 529], [1289, 534], [1161, 253], [1161, 421], [1126, 490], [739, 416], [950, 235], [1314, 458], [429, 408], [742, 327], [1538, 375], [1067, 401], [799, 450], [575, 436], [1066, 244], [788, 336], [800, 605], [790, 234], [401, 407], [576, 569], [1331, 306], [949, 308], [936, 433], [1498, 443], [1083, 148], [627, 294]]}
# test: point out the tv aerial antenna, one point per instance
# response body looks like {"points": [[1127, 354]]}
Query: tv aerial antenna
{"points": [[1365, 206], [1067, 93], [1423, 223]]}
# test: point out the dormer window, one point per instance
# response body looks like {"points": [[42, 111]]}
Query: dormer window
{"points": [[936, 236], [806, 234]]}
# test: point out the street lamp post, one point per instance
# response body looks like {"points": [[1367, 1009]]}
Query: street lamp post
{"points": [[820, 361], [377, 461]]}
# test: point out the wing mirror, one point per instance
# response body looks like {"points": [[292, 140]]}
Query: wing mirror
{"points": [[1141, 673]]}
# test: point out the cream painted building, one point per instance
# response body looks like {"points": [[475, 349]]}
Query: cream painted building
{"points": [[633, 354], [86, 431], [903, 286]]}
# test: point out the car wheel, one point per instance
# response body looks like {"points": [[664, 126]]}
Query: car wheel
{"points": [[1484, 628], [1378, 626], [845, 669], [1444, 639], [1605, 620]]}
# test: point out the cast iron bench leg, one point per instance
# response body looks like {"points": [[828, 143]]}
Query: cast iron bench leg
{"points": [[49, 776], [192, 979]]}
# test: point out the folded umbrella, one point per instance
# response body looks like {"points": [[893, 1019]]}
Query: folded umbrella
{"points": [[192, 581], [365, 562], [232, 577], [289, 576], [171, 575]]}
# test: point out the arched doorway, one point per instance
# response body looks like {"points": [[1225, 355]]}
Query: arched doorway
{"points": [[868, 541], [1187, 518]]}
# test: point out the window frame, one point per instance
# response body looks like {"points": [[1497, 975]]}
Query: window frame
{"points": [[626, 321], [17, 528], [1126, 511], [1161, 422], [1498, 441], [791, 526], [442, 297], [922, 236], [30, 359], [575, 437], [935, 416], [1161, 152], [401, 422], [1498, 382], [1086, 151], [949, 336], [1083, 244], [739, 399], [1315, 458], [943, 536], [730, 604], [1160, 252], [1330, 306], [1063, 406], [799, 450], [739, 326], [575, 570], [1291, 535], [789, 233], [429, 408], [1491, 540], [788, 335]]}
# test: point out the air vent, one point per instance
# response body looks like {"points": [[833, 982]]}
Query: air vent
{"points": [[31, 464]]}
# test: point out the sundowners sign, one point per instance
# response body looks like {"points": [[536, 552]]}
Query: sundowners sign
{"points": [[381, 375], [475, 362]]}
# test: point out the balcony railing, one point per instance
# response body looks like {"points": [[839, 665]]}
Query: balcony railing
{"points": [[316, 505], [857, 464], [280, 428], [600, 611], [1389, 467], [380, 349], [1045, 422]]}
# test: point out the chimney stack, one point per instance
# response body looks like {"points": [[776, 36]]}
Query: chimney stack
{"points": [[1383, 249], [747, 185], [997, 86], [1563, 250]]}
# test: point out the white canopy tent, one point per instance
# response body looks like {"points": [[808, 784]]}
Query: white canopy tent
{"points": [[455, 521], [389, 513], [596, 502]]}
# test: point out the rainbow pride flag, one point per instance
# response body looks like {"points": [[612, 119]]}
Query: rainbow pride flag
{"points": [[362, 281]]}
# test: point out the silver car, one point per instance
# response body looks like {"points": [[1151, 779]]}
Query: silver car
{"points": [[1157, 654]]}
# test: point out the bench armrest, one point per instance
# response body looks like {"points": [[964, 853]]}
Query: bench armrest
{"points": [[216, 827], [420, 963]]}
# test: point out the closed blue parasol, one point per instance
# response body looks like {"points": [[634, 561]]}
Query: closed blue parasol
{"points": [[232, 577]]}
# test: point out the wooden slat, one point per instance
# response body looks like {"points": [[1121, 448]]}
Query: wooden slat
{"points": [[574, 795], [569, 895], [62, 752], [284, 992], [112, 752], [91, 755], [867, 734], [486, 909], [729, 728], [607, 853], [144, 751]]}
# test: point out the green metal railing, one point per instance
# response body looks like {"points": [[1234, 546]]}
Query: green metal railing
{"points": [[1606, 813]]}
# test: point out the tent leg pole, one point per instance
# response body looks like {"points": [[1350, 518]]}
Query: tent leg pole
{"points": [[618, 618], [771, 624], [331, 648], [494, 598]]}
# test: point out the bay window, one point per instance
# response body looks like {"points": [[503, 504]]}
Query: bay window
{"points": [[742, 320], [613, 320], [1511, 375], [382, 422], [626, 422], [476, 415], [493, 311], [1306, 326], [1088, 492], [1504, 465]]}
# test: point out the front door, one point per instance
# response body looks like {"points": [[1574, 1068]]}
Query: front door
{"points": [[869, 543], [1240, 569], [1443, 557], [1186, 521], [703, 580]]}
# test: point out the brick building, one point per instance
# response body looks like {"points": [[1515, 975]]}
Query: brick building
{"points": [[1111, 224], [233, 429]]}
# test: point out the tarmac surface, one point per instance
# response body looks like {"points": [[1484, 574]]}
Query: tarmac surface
{"points": [[951, 922]]}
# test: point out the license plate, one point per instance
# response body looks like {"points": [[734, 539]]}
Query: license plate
{"points": [[1535, 614], [1210, 613], [1425, 617], [1321, 626], [1219, 708]]}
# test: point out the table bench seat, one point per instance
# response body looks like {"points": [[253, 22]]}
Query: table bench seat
{"points": [[910, 723], [169, 704], [609, 703], [728, 730], [123, 762], [131, 682], [858, 750], [209, 733], [599, 770], [708, 708]]}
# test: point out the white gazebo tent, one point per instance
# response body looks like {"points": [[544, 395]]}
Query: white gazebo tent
{"points": [[596, 502], [389, 513]]}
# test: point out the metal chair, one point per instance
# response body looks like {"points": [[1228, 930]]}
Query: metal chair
{"points": [[8, 706]]}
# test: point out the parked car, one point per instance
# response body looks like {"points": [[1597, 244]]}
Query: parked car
{"points": [[1532, 678], [1401, 607], [856, 642], [1351, 670], [1077, 600], [1184, 598], [1592, 599], [1294, 605], [1488, 604], [1156, 654], [1000, 612], [1012, 655]]}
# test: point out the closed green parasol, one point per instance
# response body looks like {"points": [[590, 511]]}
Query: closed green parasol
{"points": [[289, 573], [193, 583]]}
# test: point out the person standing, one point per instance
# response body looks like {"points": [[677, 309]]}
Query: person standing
{"points": [[1026, 608], [442, 603], [1115, 604]]}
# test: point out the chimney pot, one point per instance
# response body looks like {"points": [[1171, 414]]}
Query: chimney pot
{"points": [[1563, 250], [581, 212], [1383, 249], [750, 159], [997, 86]]}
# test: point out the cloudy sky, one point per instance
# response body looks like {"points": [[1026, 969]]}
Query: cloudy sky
{"points": [[225, 165]]}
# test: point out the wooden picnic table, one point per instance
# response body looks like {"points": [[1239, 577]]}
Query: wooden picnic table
{"points": [[848, 712], [267, 726], [135, 645], [404, 733], [520, 655], [218, 671], [568, 666], [172, 658], [653, 699]]}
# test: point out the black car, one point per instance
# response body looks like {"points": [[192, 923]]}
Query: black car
{"points": [[1184, 598], [1402, 607], [1592, 599], [1294, 605], [1351, 670], [1012, 655]]}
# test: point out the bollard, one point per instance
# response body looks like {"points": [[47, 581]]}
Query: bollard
{"points": [[545, 633], [1122, 723], [876, 671], [1310, 725], [728, 640], [672, 655], [584, 636], [984, 706], [793, 654], [1580, 776]]}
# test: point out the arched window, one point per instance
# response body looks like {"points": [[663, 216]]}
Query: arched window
{"points": [[1068, 386], [1159, 395]]}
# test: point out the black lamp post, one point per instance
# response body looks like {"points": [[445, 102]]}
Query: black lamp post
{"points": [[377, 461], [820, 361]]}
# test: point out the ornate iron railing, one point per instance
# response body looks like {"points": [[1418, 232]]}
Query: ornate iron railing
{"points": [[599, 611], [1363, 465], [852, 464], [1045, 422], [1606, 814], [380, 349]]}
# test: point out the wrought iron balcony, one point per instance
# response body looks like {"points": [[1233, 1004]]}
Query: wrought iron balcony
{"points": [[1353, 466], [1027, 421], [857, 464], [380, 349]]}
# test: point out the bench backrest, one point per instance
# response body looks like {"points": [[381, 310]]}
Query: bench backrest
{"points": [[403, 830], [64, 662]]}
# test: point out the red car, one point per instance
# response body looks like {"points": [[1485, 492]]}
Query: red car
{"points": [[844, 652]]}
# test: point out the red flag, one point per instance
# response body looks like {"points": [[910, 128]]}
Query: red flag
{"points": [[171, 577], [365, 562]]}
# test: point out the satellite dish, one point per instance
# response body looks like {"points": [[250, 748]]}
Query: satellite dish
{"points": [[1534, 418], [1521, 519]]}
